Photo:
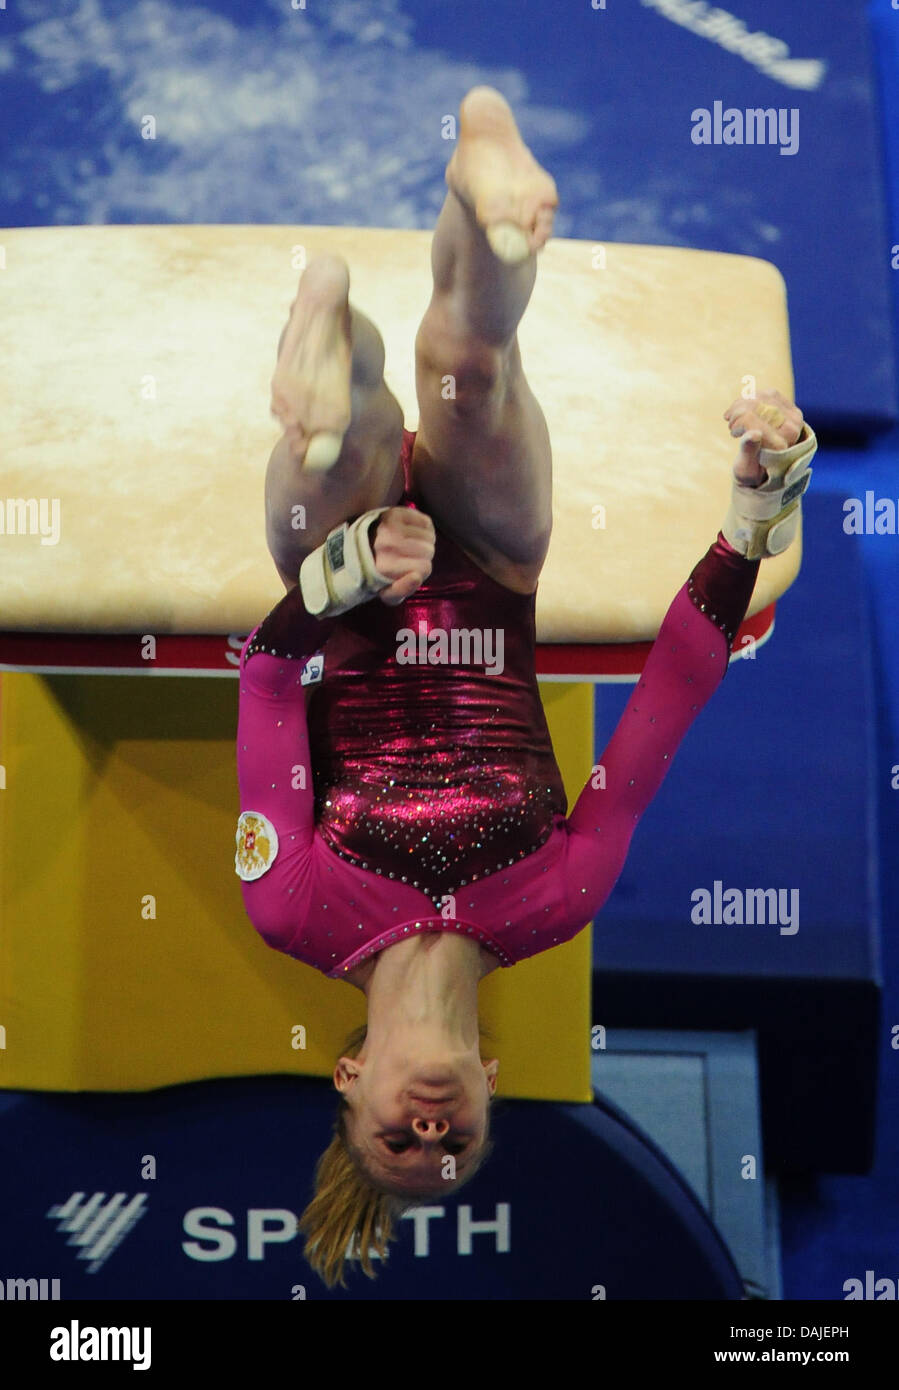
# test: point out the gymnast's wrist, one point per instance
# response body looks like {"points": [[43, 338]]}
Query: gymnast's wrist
{"points": [[289, 631], [722, 546], [763, 520], [342, 573]]}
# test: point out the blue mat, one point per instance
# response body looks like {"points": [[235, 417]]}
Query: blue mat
{"points": [[335, 114]]}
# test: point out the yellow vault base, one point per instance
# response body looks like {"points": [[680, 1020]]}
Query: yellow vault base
{"points": [[127, 960]]}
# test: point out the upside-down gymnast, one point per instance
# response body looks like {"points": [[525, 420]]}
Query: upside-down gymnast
{"points": [[403, 824]]}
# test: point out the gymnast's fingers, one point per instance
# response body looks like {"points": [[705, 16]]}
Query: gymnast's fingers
{"points": [[403, 534], [414, 522], [403, 588], [747, 468], [771, 438], [403, 551], [780, 420], [754, 415], [784, 415]]}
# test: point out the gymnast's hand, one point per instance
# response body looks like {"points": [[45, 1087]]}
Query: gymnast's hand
{"points": [[766, 421], [403, 551]]}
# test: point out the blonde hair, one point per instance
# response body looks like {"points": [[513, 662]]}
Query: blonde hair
{"points": [[348, 1206]]}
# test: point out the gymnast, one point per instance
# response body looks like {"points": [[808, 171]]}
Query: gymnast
{"points": [[403, 821]]}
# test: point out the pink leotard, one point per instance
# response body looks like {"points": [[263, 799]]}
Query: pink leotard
{"points": [[423, 795]]}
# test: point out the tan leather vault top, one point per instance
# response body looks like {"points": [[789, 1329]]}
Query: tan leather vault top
{"points": [[135, 391]]}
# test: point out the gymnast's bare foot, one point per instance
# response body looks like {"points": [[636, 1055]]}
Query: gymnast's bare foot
{"points": [[494, 173], [312, 381]]}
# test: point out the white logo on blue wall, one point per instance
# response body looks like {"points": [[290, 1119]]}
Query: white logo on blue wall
{"points": [[765, 52], [97, 1226]]}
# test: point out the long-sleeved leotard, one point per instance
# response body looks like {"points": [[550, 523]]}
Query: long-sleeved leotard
{"points": [[361, 863]]}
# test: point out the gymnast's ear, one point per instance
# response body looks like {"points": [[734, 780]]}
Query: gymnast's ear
{"points": [[345, 1072]]}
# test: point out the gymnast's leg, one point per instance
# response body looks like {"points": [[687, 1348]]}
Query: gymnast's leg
{"points": [[328, 390], [482, 462]]}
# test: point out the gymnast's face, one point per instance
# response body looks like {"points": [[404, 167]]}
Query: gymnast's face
{"points": [[408, 1114]]}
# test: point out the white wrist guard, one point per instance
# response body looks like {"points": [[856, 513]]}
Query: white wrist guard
{"points": [[762, 521], [341, 573]]}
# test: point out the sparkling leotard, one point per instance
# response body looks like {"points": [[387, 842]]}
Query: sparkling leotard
{"points": [[338, 860], [440, 769]]}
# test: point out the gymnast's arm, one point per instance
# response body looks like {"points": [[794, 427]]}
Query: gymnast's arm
{"points": [[688, 659], [686, 664], [388, 552], [273, 756], [274, 766]]}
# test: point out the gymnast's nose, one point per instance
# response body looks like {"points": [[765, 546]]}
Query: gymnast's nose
{"points": [[429, 1129]]}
